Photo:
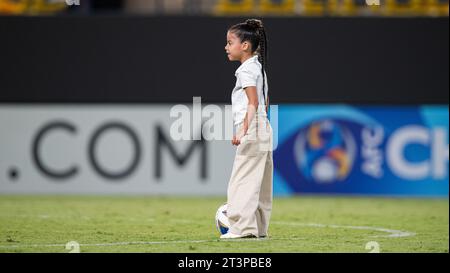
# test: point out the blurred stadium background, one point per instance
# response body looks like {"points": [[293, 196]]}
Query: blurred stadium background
{"points": [[86, 89], [231, 7]]}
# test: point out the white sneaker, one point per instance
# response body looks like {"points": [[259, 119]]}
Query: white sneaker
{"points": [[230, 235]]}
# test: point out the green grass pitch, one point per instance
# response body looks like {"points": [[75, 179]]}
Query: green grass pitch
{"points": [[186, 224]]}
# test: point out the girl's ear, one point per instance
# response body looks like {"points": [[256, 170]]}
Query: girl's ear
{"points": [[245, 46]]}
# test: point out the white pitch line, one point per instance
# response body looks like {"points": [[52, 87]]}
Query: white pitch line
{"points": [[152, 242], [111, 244], [393, 233]]}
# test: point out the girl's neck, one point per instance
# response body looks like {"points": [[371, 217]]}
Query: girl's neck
{"points": [[244, 58]]}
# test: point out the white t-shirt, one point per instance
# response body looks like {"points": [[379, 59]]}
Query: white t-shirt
{"points": [[248, 74]]}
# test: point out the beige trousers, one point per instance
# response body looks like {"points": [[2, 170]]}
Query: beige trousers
{"points": [[250, 186]]}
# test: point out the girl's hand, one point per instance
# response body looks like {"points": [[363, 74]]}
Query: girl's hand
{"points": [[237, 138], [235, 141]]}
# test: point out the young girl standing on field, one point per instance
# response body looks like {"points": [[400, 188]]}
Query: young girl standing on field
{"points": [[249, 195]]}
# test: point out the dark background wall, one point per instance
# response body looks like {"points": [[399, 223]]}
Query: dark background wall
{"points": [[121, 59]]}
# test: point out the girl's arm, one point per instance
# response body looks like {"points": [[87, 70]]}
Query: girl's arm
{"points": [[252, 106]]}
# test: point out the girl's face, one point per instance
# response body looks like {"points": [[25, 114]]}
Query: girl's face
{"points": [[234, 48]]}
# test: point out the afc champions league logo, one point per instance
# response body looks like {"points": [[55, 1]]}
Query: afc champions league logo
{"points": [[325, 151]]}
